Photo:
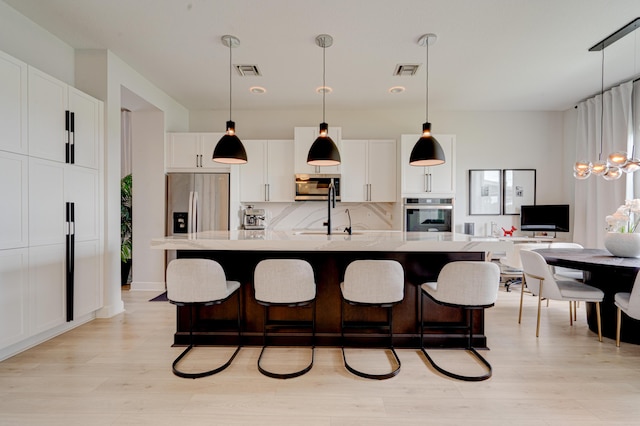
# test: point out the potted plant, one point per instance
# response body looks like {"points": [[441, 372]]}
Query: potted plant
{"points": [[125, 226]]}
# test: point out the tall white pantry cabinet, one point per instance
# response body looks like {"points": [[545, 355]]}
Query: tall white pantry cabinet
{"points": [[50, 220]]}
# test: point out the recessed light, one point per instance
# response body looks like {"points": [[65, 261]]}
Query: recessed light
{"points": [[324, 89], [257, 89], [396, 89]]}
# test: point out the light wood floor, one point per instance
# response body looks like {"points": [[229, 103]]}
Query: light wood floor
{"points": [[117, 371]]}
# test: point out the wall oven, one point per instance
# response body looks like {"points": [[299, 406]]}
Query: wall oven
{"points": [[428, 214]]}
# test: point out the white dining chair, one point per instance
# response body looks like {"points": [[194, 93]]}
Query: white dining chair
{"points": [[629, 303], [540, 282]]}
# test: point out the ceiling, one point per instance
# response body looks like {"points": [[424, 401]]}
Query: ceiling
{"points": [[491, 55]]}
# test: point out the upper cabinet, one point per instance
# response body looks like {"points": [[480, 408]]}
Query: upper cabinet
{"points": [[192, 151], [369, 171], [64, 124], [13, 104], [268, 175], [428, 181], [304, 138]]}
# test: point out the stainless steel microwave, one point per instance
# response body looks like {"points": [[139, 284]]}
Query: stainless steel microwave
{"points": [[310, 187]]}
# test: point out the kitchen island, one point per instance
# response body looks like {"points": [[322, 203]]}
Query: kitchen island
{"points": [[422, 256]]}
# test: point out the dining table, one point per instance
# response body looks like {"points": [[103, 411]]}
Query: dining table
{"points": [[607, 272]]}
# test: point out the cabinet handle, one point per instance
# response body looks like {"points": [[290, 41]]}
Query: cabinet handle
{"points": [[72, 143], [429, 182], [266, 192], [368, 192], [67, 129], [426, 183]]}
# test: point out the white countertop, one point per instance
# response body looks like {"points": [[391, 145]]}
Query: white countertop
{"points": [[317, 240]]}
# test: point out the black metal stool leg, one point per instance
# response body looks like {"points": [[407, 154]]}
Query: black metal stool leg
{"points": [[393, 351], [472, 351], [179, 373], [264, 347]]}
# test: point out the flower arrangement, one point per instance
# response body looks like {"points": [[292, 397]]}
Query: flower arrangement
{"points": [[626, 218]]}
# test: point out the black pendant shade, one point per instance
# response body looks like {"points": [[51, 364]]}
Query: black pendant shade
{"points": [[229, 149], [427, 151], [323, 151]]}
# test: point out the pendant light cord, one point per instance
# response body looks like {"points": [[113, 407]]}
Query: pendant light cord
{"points": [[230, 66], [426, 118], [324, 84], [601, 105]]}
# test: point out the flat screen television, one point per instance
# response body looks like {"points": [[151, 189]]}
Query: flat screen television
{"points": [[545, 218]]}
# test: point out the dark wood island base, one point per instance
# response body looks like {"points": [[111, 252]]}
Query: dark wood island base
{"points": [[329, 267]]}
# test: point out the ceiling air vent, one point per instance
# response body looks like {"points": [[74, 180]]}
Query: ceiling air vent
{"points": [[406, 69], [248, 70]]}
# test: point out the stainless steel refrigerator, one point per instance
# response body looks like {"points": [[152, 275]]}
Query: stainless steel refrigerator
{"points": [[196, 202]]}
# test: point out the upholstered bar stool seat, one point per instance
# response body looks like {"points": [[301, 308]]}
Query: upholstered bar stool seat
{"points": [[467, 285], [200, 282], [285, 283], [372, 283]]}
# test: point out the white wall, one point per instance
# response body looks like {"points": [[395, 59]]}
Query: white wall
{"points": [[485, 140], [25, 40]]}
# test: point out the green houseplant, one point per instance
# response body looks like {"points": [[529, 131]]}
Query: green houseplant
{"points": [[125, 226]]}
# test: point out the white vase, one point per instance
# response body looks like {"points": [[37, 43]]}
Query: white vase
{"points": [[623, 245]]}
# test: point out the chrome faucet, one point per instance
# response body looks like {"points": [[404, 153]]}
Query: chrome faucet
{"points": [[348, 229], [331, 202]]}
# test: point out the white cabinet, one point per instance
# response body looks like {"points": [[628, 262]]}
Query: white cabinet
{"points": [[51, 157], [430, 181], [304, 138], [65, 124], [269, 174], [13, 104], [369, 171], [14, 191], [192, 151], [14, 319]]}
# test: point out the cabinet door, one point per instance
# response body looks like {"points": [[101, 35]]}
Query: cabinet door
{"points": [[13, 104], [424, 181], [82, 188], [87, 127], [14, 193], [253, 174], [208, 142], [443, 176], [304, 138], [87, 284], [46, 202], [382, 168], [183, 150], [354, 186], [14, 301], [47, 105], [47, 287], [280, 175]]}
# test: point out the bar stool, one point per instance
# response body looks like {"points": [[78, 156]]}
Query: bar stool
{"points": [[200, 282], [372, 283], [285, 283], [468, 285]]}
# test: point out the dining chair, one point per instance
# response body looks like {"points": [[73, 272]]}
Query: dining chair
{"points": [[540, 282], [629, 303]]}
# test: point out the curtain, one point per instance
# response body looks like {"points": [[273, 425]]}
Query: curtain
{"points": [[595, 197], [635, 135], [125, 143]]}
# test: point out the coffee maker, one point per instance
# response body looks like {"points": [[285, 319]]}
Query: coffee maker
{"points": [[253, 218]]}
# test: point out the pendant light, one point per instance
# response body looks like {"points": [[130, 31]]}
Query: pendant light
{"points": [[229, 149], [427, 151], [323, 151], [618, 162]]}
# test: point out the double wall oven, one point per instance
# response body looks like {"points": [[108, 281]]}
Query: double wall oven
{"points": [[428, 214]]}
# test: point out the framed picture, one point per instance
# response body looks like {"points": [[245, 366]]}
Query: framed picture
{"points": [[519, 189], [484, 192]]}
